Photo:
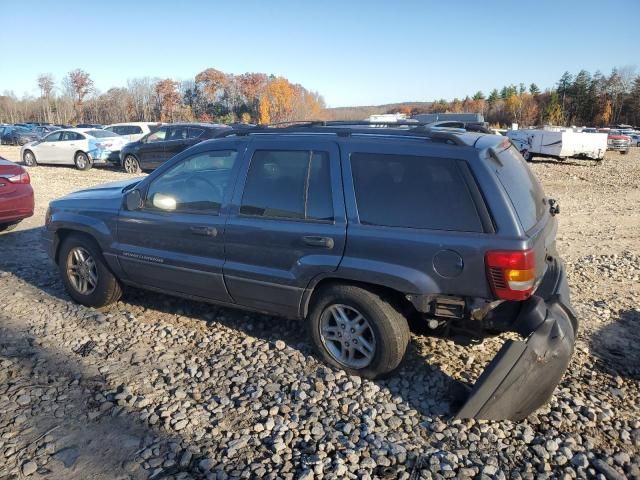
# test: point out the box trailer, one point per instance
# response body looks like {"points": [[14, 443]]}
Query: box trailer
{"points": [[559, 143]]}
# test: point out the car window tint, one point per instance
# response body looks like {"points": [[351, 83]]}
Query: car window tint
{"points": [[157, 136], [198, 184], [177, 133], [134, 130], [522, 186], [54, 137], [195, 132], [288, 184], [68, 136], [413, 192], [319, 200]]}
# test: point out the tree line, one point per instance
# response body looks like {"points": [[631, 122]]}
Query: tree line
{"points": [[212, 96], [583, 99]]}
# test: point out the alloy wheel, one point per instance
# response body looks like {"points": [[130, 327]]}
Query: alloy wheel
{"points": [[348, 336], [130, 164], [82, 271]]}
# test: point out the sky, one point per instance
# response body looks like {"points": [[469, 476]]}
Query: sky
{"points": [[351, 52]]}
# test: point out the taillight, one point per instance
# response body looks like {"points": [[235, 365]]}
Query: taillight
{"points": [[512, 274], [22, 178]]}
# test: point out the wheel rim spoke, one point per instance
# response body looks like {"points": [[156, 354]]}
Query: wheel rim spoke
{"points": [[347, 336], [82, 271]]}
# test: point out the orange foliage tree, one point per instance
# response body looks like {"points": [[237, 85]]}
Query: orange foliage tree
{"points": [[168, 98]]}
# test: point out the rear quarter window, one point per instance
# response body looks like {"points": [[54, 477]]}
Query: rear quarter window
{"points": [[413, 192], [521, 186]]}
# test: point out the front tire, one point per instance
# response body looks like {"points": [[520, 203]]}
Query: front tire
{"points": [[29, 159], [85, 274], [527, 155], [623, 152], [131, 164], [357, 330], [82, 161]]}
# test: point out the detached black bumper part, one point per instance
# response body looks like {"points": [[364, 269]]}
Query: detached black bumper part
{"points": [[523, 375]]}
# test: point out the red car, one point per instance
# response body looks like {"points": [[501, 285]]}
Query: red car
{"points": [[16, 195]]}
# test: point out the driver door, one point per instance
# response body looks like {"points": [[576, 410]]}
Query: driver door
{"points": [[175, 242], [46, 151]]}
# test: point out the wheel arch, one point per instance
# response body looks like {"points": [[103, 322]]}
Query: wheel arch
{"points": [[395, 297]]}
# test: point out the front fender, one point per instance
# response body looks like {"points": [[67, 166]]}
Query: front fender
{"points": [[99, 227]]}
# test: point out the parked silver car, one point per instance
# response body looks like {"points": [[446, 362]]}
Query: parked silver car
{"points": [[82, 147]]}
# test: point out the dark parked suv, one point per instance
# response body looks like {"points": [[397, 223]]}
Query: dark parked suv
{"points": [[157, 147], [354, 229]]}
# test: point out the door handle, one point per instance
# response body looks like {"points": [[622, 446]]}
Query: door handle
{"points": [[206, 231], [313, 241]]}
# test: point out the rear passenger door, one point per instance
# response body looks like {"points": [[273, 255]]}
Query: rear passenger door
{"points": [[287, 223]]}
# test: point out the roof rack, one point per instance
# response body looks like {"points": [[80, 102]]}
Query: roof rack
{"points": [[345, 128]]}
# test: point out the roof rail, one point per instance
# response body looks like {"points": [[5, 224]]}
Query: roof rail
{"points": [[345, 128]]}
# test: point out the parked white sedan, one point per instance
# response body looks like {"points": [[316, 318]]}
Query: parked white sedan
{"points": [[133, 131], [82, 147]]}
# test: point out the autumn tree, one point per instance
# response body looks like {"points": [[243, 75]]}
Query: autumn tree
{"points": [[80, 84], [168, 99], [276, 104]]}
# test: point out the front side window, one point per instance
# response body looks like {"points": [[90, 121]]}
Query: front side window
{"points": [[198, 184], [289, 185], [413, 192]]}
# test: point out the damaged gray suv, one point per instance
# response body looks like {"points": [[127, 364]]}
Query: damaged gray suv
{"points": [[358, 231]]}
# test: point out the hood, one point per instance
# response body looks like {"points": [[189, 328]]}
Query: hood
{"points": [[107, 191]]}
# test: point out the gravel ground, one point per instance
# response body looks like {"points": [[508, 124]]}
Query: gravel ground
{"points": [[159, 387]]}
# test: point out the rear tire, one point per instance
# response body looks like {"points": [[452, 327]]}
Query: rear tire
{"points": [[29, 159], [131, 165], [527, 155], [385, 336], [82, 161], [82, 255], [7, 227]]}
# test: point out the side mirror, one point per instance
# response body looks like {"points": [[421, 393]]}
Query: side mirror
{"points": [[133, 200]]}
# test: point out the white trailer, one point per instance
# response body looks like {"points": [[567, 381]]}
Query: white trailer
{"points": [[559, 143]]}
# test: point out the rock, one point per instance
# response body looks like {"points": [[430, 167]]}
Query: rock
{"points": [[179, 425], [236, 445], [306, 474], [29, 468], [280, 345], [580, 460], [607, 470]]}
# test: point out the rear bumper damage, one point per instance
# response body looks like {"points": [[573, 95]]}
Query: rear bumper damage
{"points": [[524, 373]]}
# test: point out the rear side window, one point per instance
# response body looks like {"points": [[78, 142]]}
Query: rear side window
{"points": [[289, 185], [195, 132], [413, 192], [522, 186]]}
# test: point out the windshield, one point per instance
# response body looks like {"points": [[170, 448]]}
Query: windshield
{"points": [[101, 133]]}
